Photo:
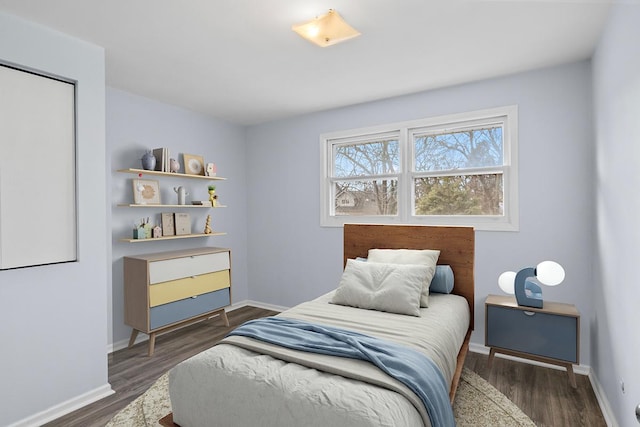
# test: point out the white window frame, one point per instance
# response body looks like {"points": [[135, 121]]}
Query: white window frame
{"points": [[507, 116]]}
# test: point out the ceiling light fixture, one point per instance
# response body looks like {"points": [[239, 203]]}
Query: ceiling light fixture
{"points": [[326, 30]]}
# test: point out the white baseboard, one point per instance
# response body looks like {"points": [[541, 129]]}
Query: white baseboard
{"points": [[265, 305], [66, 407], [601, 397], [605, 407], [119, 345]]}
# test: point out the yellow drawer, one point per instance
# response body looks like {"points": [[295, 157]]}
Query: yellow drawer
{"points": [[166, 292]]}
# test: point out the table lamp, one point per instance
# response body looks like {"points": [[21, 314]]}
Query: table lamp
{"points": [[528, 292]]}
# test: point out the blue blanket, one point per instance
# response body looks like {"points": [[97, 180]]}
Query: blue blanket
{"points": [[408, 366]]}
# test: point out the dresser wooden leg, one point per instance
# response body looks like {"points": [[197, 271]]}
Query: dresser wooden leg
{"points": [[132, 339], [572, 376], [225, 319], [492, 354], [152, 343]]}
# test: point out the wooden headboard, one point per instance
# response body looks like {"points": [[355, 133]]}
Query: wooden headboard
{"points": [[456, 245]]}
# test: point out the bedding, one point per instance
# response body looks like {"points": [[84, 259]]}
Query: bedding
{"points": [[243, 381], [426, 257], [442, 281], [386, 287], [402, 363]]}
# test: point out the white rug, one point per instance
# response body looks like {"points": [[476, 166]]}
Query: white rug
{"points": [[477, 403]]}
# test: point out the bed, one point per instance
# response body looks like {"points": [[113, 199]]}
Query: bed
{"points": [[246, 381]]}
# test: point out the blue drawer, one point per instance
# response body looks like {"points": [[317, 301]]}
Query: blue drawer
{"points": [[166, 314], [541, 334]]}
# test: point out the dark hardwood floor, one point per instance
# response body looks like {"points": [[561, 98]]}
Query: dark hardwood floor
{"points": [[543, 394], [132, 372]]}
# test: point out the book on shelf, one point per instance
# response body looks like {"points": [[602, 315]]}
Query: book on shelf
{"points": [[162, 159], [202, 203]]}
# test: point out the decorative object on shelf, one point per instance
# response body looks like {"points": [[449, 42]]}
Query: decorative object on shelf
{"points": [[162, 159], [138, 233], [207, 226], [146, 192], [174, 166], [142, 230], [148, 230], [157, 232], [204, 203], [326, 30], [528, 292], [183, 223], [182, 193], [148, 161], [212, 170], [193, 165], [213, 197], [168, 225]]}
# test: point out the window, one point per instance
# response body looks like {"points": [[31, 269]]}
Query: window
{"points": [[453, 170]]}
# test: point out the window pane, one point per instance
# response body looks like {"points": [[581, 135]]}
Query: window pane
{"points": [[366, 159], [459, 195], [378, 197], [459, 150]]}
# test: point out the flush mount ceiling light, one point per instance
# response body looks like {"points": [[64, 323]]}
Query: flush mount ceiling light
{"points": [[326, 30]]}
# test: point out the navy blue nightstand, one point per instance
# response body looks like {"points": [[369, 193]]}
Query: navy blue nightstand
{"points": [[550, 334]]}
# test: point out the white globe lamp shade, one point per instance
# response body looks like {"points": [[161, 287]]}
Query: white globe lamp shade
{"points": [[550, 273], [506, 281]]}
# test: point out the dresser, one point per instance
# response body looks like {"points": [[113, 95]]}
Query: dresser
{"points": [[550, 334], [166, 290]]}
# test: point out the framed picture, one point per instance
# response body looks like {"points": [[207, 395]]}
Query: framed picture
{"points": [[183, 224], [168, 226], [146, 192], [193, 165]]}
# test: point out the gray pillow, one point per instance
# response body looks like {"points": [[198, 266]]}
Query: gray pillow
{"points": [[394, 288], [427, 257]]}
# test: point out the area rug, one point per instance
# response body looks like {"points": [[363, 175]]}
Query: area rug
{"points": [[477, 403]]}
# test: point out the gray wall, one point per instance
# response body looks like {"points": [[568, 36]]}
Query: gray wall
{"points": [[292, 258], [49, 312], [136, 124], [615, 342]]}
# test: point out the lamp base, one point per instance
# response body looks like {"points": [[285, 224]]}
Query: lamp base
{"points": [[528, 293]]}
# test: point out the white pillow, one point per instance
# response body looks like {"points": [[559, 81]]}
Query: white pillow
{"points": [[385, 287], [427, 257]]}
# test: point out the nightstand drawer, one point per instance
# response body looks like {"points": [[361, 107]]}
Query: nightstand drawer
{"points": [[177, 311], [543, 334]]}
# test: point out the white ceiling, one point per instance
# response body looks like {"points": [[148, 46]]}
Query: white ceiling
{"points": [[238, 60]]}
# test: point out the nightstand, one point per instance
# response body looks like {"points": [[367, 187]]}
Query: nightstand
{"points": [[550, 334]]}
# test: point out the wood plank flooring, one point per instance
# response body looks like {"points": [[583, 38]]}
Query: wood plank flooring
{"points": [[543, 394]]}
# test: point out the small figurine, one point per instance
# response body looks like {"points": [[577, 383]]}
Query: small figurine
{"points": [[174, 166], [182, 193], [207, 226], [212, 195], [157, 231], [211, 169]]}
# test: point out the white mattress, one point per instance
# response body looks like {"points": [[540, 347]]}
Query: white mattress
{"points": [[232, 386]]}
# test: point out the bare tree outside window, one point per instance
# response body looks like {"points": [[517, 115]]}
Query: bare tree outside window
{"points": [[456, 173], [365, 183]]}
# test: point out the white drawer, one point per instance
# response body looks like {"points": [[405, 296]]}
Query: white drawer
{"points": [[172, 269]]}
